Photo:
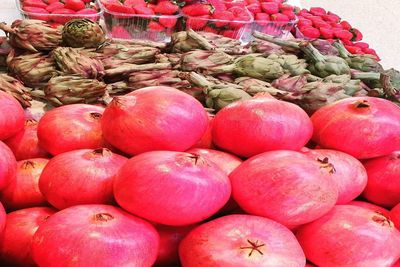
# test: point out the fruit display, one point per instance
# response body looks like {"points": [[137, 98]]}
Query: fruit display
{"points": [[200, 151]]}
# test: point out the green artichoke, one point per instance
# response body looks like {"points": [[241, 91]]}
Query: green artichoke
{"points": [[291, 63], [83, 33], [15, 88], [204, 60], [290, 84], [258, 67], [220, 98]]}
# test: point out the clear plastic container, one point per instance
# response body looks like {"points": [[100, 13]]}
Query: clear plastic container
{"points": [[136, 26], [59, 18], [275, 28]]}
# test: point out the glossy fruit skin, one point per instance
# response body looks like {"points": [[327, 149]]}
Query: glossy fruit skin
{"points": [[71, 127], [285, 186], [372, 207], [226, 242], [171, 188], [87, 174], [95, 235], [25, 144], [339, 238], [2, 218], [349, 173], [8, 165], [206, 139], [154, 118], [15, 243], [364, 127], [11, 116], [23, 190], [383, 186], [250, 127], [394, 215]]}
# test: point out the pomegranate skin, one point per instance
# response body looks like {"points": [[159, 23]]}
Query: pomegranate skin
{"points": [[2, 218], [383, 187], [394, 215], [364, 127], [12, 116], [339, 238], [8, 165], [154, 118], [372, 207], [241, 240]]}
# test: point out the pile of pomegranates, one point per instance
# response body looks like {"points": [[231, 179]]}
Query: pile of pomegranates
{"points": [[153, 180]]}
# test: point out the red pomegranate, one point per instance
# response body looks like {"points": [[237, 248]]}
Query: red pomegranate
{"points": [[286, 186], [2, 218], [16, 241], [71, 127], [82, 176], [206, 139], [370, 206], [250, 127], [394, 215], [364, 127], [350, 236], [8, 165], [154, 118], [171, 188], [11, 116], [23, 190], [241, 240], [95, 235]]}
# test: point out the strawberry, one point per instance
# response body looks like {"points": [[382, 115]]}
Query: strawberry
{"points": [[310, 32], [361, 45], [286, 7], [270, 7], [239, 3], [343, 34], [331, 41], [321, 24], [336, 26], [218, 5], [143, 10], [331, 18], [346, 42], [317, 11], [345, 25], [35, 3], [64, 12], [155, 26], [262, 17], [54, 6], [87, 1], [198, 9], [254, 8], [90, 12], [120, 32], [353, 49], [304, 22], [50, 1], [166, 8], [229, 34], [239, 12], [303, 13], [290, 14], [357, 35], [120, 9], [167, 22], [249, 2], [223, 18], [210, 29], [279, 17], [197, 23], [134, 3], [326, 33], [37, 12], [75, 5]]}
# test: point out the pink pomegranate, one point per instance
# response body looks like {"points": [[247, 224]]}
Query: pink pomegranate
{"points": [[16, 241], [241, 240], [250, 127], [95, 235], [394, 215], [349, 173], [370, 206], [350, 236], [154, 118], [71, 127], [285, 186], [206, 139], [11, 116], [364, 127], [23, 190], [82, 176], [2, 218], [171, 188], [25, 144], [8, 165]]}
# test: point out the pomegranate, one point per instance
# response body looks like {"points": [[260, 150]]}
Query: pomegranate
{"points": [[95, 235], [286, 186], [25, 144], [170, 238], [171, 188], [15, 243], [71, 127], [349, 173], [370, 206], [11, 116], [383, 187], [23, 190], [339, 238], [2, 218], [250, 127], [206, 139], [8, 165], [395, 215], [82, 176], [364, 127], [241, 240], [154, 118]]}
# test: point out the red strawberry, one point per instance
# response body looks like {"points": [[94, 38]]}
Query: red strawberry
{"points": [[155, 26], [50, 1], [310, 32], [336, 26], [331, 41], [362, 45], [239, 3], [74, 5], [120, 32], [346, 25], [254, 8], [317, 11], [64, 12], [270, 7], [357, 35], [54, 6], [239, 12], [210, 29], [229, 34], [37, 12], [353, 49], [120, 9], [134, 3], [304, 22], [283, 7], [326, 33], [249, 2], [303, 13], [198, 9], [167, 22], [87, 1], [89, 12], [346, 42], [223, 18], [197, 23], [262, 17], [343, 34], [279, 17], [218, 5], [35, 3], [166, 8], [321, 24], [143, 10], [331, 18], [290, 14]]}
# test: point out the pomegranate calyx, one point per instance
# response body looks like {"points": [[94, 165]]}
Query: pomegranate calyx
{"points": [[325, 164], [31, 122], [101, 152], [95, 115], [382, 219], [28, 164], [362, 104], [103, 217], [254, 246]]}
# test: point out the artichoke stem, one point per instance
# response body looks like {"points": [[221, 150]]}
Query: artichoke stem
{"points": [[366, 75], [203, 42], [276, 40], [312, 52], [129, 68], [342, 50]]}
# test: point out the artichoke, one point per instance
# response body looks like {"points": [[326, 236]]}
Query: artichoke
{"points": [[220, 98], [290, 84], [83, 33], [15, 88], [72, 61], [33, 35], [34, 70], [325, 47], [291, 63], [4, 51], [63, 90], [204, 60]]}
